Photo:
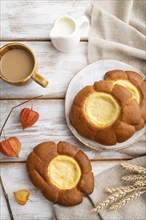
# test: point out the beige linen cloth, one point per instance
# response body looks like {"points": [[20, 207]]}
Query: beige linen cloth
{"points": [[136, 210], [118, 32]]}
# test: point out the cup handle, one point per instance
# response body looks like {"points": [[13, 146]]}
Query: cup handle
{"points": [[83, 22], [0, 69], [38, 78]]}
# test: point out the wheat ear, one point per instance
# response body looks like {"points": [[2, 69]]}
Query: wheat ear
{"points": [[133, 167], [125, 189], [126, 200], [133, 177], [140, 183]]}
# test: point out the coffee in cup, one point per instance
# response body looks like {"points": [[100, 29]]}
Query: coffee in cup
{"points": [[18, 64]]}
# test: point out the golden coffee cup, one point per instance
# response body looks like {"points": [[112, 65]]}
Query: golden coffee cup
{"points": [[34, 75]]}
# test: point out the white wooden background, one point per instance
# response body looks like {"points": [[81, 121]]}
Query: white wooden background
{"points": [[30, 22]]}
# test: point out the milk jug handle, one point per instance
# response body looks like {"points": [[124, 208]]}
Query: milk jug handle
{"points": [[83, 22]]}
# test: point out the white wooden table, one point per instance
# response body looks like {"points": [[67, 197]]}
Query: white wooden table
{"points": [[30, 22]]}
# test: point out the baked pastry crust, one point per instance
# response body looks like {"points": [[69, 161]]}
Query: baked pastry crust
{"points": [[37, 166], [136, 80], [121, 129]]}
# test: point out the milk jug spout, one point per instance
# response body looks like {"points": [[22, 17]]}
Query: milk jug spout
{"points": [[53, 34]]}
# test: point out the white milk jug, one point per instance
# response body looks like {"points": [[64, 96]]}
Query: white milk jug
{"points": [[65, 34]]}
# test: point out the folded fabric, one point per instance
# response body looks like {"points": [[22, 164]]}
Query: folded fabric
{"points": [[112, 177], [117, 32]]}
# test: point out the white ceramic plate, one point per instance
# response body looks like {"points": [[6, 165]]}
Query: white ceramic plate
{"points": [[88, 76]]}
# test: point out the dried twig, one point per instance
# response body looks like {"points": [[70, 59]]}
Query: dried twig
{"points": [[133, 167], [126, 200], [14, 108], [7, 199]]}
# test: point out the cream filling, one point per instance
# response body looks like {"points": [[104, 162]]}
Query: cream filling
{"points": [[101, 109], [64, 172], [131, 87]]}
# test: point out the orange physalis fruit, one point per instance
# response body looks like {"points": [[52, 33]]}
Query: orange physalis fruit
{"points": [[28, 117], [10, 147], [22, 196]]}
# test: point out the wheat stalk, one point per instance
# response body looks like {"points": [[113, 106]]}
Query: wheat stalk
{"points": [[122, 195], [126, 200], [133, 167], [111, 199], [133, 177]]}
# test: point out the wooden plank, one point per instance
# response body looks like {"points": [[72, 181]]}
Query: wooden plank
{"points": [[15, 178], [34, 19], [57, 67], [51, 126]]}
